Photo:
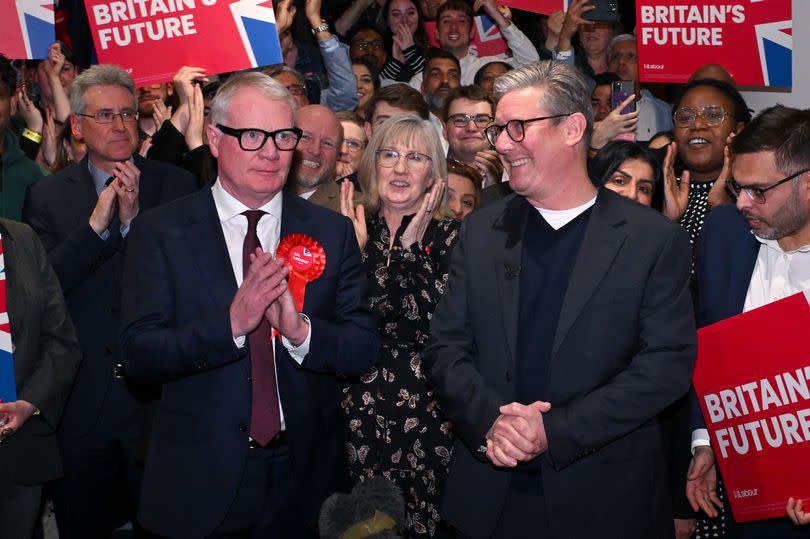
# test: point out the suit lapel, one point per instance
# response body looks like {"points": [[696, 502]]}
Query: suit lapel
{"points": [[741, 271], [510, 227], [604, 236], [293, 218], [207, 245], [85, 188]]}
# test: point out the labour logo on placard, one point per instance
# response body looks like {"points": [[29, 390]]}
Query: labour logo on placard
{"points": [[256, 20], [26, 28]]}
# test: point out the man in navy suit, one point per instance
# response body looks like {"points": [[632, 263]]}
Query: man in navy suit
{"points": [[83, 215], [566, 326], [751, 255], [249, 438]]}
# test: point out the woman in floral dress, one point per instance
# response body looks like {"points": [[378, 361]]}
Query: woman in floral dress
{"points": [[395, 426]]}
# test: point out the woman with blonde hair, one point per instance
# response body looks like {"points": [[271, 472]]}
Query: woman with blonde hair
{"points": [[395, 426]]}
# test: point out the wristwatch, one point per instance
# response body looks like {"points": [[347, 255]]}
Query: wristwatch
{"points": [[322, 28]]}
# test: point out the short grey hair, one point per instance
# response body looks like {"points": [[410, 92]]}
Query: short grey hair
{"points": [[272, 90], [565, 91], [621, 38], [274, 71], [99, 75]]}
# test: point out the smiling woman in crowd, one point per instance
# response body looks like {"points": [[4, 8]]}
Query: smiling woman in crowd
{"points": [[395, 426]]}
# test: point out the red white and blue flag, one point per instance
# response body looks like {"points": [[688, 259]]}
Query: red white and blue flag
{"points": [[8, 386], [26, 28], [752, 39], [153, 38]]}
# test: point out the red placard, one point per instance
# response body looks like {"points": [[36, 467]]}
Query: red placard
{"points": [[546, 7], [753, 40], [752, 378], [152, 38]]}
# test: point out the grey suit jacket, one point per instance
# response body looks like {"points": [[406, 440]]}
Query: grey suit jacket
{"points": [[46, 355]]}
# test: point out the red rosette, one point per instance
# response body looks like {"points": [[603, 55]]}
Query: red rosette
{"points": [[306, 259]]}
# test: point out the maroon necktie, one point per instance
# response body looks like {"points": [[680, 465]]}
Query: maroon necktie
{"points": [[265, 420]]}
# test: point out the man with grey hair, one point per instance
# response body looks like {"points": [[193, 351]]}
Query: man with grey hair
{"points": [[578, 333], [248, 440], [654, 115], [83, 215]]}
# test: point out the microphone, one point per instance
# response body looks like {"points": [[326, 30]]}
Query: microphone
{"points": [[512, 272]]}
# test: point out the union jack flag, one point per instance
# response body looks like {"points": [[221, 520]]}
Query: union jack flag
{"points": [[26, 28], [8, 386], [256, 23]]}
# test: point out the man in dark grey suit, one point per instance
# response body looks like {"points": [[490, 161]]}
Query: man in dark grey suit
{"points": [[46, 358], [565, 328], [83, 215]]}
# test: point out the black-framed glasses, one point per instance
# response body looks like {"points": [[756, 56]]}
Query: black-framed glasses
{"points": [[354, 145], [462, 120], [108, 116], [712, 115], [757, 194], [415, 161], [362, 44], [252, 139], [516, 129]]}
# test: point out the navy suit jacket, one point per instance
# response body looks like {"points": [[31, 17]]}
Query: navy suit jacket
{"points": [[177, 332], [58, 208], [623, 351]]}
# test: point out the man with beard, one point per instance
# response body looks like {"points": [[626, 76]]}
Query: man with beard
{"points": [[751, 255], [315, 159], [441, 75], [468, 111], [148, 99]]}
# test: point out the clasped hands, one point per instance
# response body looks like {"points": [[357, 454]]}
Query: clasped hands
{"points": [[264, 293], [518, 435]]}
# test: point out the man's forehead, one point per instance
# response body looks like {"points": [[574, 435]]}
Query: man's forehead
{"points": [[443, 64], [468, 106], [453, 15], [520, 103]]}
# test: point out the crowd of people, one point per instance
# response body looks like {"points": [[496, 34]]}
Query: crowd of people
{"points": [[233, 297]]}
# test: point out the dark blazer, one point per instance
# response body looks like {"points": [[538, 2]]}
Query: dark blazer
{"points": [[177, 332], [624, 350], [46, 355], [58, 208]]}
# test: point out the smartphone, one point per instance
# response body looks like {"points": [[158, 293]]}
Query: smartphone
{"points": [[621, 90], [605, 11]]}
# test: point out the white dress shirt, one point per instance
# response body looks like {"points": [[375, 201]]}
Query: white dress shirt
{"points": [[777, 274], [234, 228]]}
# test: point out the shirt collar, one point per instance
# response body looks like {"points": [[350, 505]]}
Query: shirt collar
{"points": [[99, 176], [229, 207], [774, 244]]}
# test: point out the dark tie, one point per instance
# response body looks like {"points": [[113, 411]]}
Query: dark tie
{"points": [[265, 421]]}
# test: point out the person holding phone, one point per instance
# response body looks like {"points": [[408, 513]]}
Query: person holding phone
{"points": [[655, 115]]}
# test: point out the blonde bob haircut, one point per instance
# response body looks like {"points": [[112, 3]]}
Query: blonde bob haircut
{"points": [[409, 130]]}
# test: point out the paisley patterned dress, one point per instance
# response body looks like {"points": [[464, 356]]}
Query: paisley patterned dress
{"points": [[395, 426]]}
